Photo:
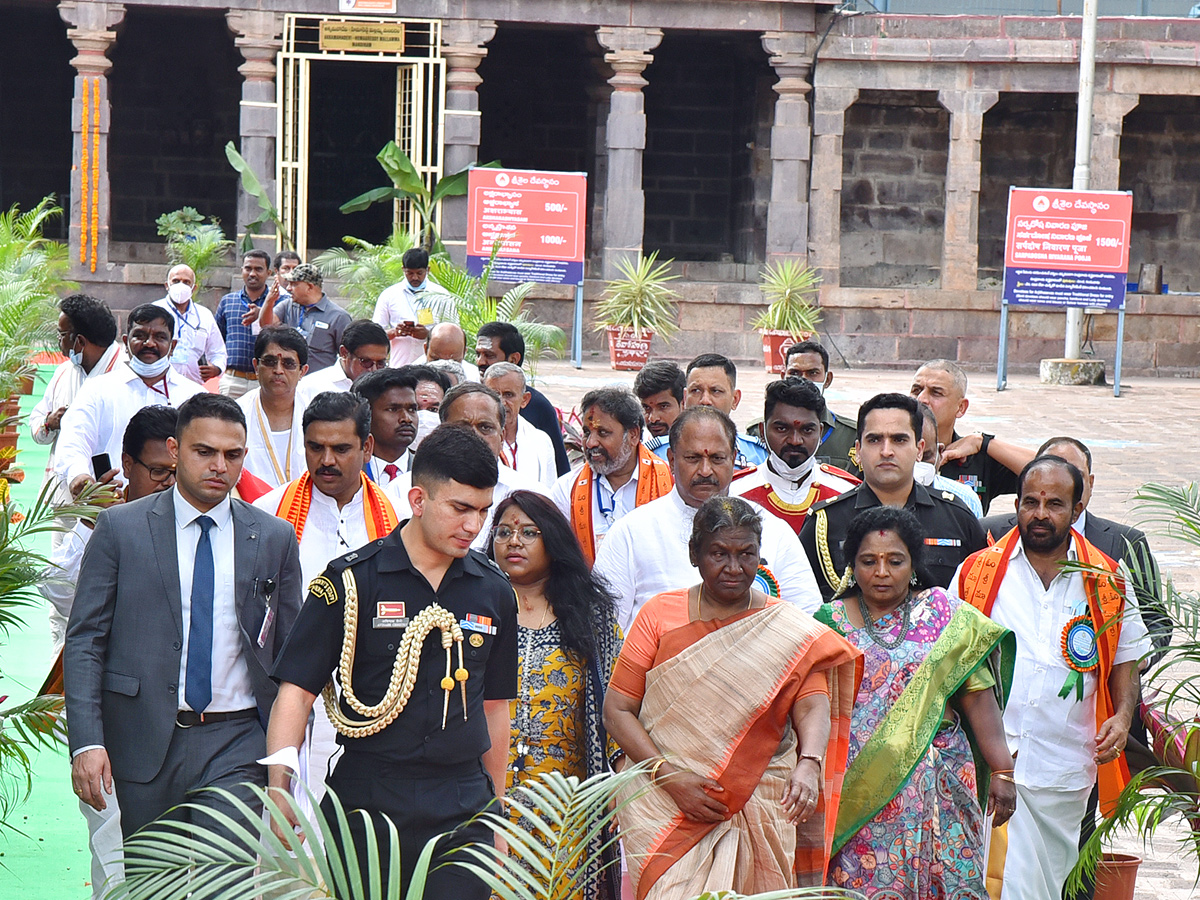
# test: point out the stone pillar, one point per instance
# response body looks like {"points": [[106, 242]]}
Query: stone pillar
{"points": [[960, 235], [463, 47], [90, 215], [599, 94], [624, 199], [1108, 121], [258, 36], [787, 216], [825, 194]]}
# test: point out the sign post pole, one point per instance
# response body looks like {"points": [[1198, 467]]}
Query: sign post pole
{"points": [[577, 330], [1002, 353], [1120, 347]]}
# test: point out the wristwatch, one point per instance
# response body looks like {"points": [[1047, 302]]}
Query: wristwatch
{"points": [[985, 440]]}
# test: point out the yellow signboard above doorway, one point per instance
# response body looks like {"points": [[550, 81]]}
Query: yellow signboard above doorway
{"points": [[385, 37]]}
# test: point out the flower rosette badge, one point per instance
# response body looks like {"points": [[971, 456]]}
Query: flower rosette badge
{"points": [[1080, 651]]}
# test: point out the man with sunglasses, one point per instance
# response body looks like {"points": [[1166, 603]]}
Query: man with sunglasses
{"points": [[364, 348], [312, 313], [274, 438]]}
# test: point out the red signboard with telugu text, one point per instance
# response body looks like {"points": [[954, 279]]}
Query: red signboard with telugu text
{"points": [[1067, 248], [538, 218]]}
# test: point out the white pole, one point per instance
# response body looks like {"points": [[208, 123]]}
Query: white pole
{"points": [[1083, 145]]}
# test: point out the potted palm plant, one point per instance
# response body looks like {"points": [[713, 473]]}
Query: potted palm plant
{"points": [[636, 307], [366, 270], [789, 287], [195, 243]]}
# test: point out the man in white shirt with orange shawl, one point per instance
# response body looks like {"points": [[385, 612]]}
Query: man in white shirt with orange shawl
{"points": [[618, 473], [791, 480], [335, 509], [1075, 684]]}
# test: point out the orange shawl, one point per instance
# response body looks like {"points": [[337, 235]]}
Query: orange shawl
{"points": [[783, 646], [654, 481], [979, 583], [297, 497]]}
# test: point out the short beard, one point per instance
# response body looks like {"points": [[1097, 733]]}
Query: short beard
{"points": [[1044, 545], [613, 464]]}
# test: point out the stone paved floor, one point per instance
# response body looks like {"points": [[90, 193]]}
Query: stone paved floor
{"points": [[1148, 433]]}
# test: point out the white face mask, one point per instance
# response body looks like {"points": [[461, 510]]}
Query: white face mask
{"points": [[179, 293], [76, 357], [792, 473], [923, 473], [150, 370]]}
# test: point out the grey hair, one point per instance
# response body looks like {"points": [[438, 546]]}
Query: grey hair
{"points": [[450, 367], [464, 388], [720, 514], [954, 369], [500, 369]]}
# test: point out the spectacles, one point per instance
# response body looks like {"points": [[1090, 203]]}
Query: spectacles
{"points": [[65, 334], [370, 364], [526, 535], [158, 474], [271, 362]]}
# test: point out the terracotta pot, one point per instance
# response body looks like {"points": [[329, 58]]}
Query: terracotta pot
{"points": [[8, 440], [25, 385], [775, 344], [627, 351], [1116, 876]]}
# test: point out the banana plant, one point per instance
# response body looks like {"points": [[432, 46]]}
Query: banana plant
{"points": [[267, 211], [407, 184]]}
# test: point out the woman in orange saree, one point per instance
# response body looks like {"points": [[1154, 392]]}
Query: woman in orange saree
{"points": [[739, 705]]}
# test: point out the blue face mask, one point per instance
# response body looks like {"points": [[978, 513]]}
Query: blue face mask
{"points": [[76, 356]]}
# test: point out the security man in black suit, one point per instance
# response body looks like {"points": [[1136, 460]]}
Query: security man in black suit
{"points": [[1122, 543], [434, 756], [889, 444]]}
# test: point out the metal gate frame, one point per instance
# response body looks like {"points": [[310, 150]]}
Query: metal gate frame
{"points": [[420, 86]]}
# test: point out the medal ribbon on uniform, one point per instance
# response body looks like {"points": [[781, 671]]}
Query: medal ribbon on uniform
{"points": [[1080, 651]]}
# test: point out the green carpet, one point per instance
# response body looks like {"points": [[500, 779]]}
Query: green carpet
{"points": [[50, 860]]}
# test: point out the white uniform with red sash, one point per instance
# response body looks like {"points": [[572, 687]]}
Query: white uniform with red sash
{"points": [[1052, 733]]}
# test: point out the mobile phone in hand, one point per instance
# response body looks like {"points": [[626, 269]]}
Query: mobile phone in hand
{"points": [[101, 465]]}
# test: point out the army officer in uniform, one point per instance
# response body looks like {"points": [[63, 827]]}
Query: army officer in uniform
{"points": [[888, 446], [432, 754]]}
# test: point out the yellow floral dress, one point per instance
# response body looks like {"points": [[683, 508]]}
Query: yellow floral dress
{"points": [[555, 717]]}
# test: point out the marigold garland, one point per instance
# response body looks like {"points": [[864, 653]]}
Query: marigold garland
{"points": [[95, 170], [83, 178]]}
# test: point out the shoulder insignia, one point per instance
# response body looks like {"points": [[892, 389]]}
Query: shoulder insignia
{"points": [[489, 562], [852, 455], [949, 495], [355, 557], [323, 589]]}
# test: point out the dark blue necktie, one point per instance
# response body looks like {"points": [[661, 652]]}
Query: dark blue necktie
{"points": [[200, 628]]}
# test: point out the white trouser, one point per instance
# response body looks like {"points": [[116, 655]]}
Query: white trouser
{"points": [[1043, 842]]}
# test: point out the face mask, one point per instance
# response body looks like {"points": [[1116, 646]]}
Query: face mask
{"points": [[923, 473], [792, 473], [76, 357], [150, 370], [179, 293]]}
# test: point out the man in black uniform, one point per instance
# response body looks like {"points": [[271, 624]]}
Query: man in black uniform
{"points": [[435, 757], [810, 360], [986, 464], [889, 444]]}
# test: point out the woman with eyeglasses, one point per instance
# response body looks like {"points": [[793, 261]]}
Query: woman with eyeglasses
{"points": [[567, 642]]}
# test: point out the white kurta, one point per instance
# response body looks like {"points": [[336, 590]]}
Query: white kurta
{"points": [[509, 481], [1053, 737], [275, 457], [96, 421], [329, 532], [534, 454], [607, 505], [331, 378], [646, 553], [196, 335], [64, 384]]}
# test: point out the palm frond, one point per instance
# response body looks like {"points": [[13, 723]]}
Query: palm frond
{"points": [[365, 270], [640, 299]]}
